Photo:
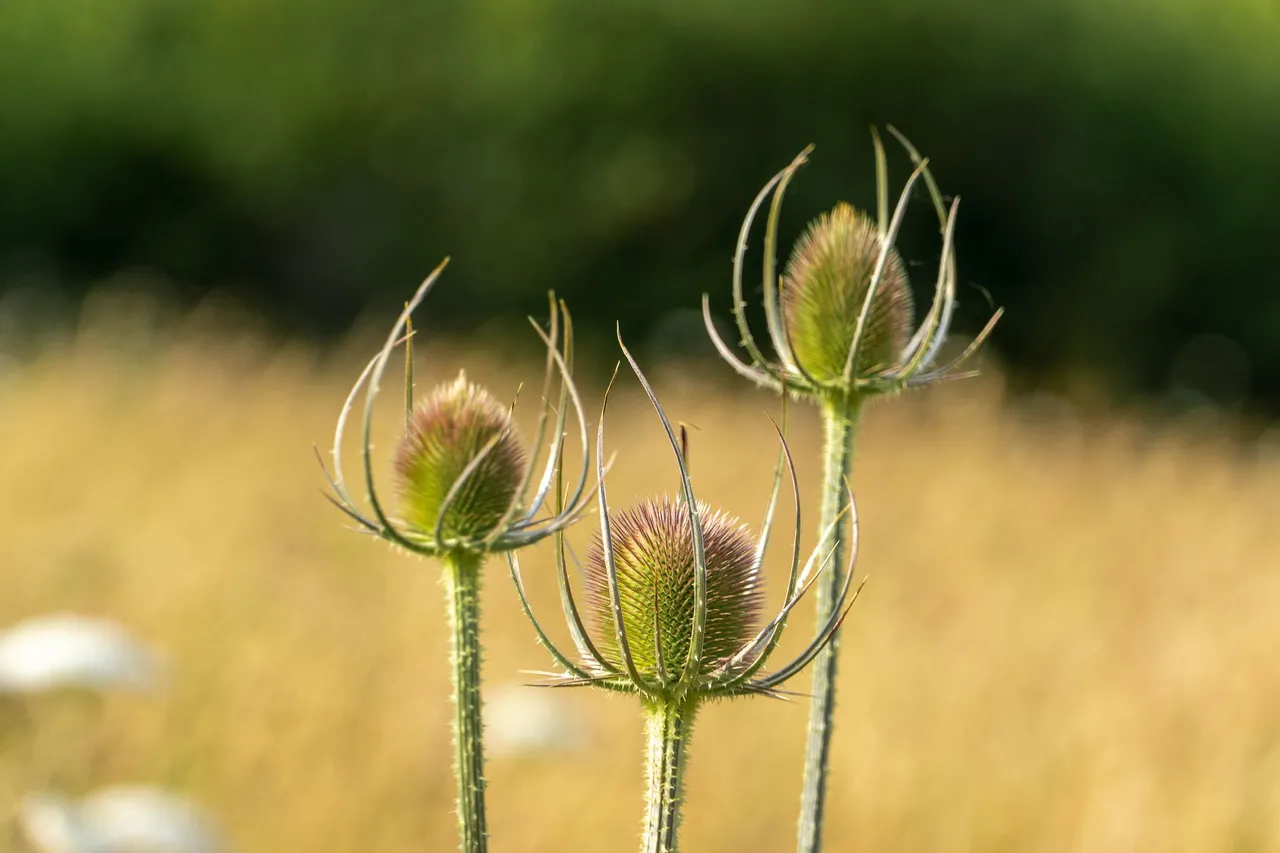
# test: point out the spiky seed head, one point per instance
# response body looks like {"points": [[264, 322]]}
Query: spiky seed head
{"points": [[446, 432], [824, 286], [654, 555]]}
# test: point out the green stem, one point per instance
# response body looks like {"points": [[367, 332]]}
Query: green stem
{"points": [[667, 727], [839, 421], [462, 581]]}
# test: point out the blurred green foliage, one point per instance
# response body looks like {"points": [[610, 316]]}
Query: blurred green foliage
{"points": [[1117, 161]]}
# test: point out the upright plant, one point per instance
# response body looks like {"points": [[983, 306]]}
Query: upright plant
{"points": [[466, 490], [673, 600], [840, 323]]}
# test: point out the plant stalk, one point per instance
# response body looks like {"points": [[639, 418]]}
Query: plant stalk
{"points": [[667, 727], [462, 582], [839, 422]]}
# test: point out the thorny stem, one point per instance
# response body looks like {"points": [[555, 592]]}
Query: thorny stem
{"points": [[839, 421], [667, 727], [462, 583]]}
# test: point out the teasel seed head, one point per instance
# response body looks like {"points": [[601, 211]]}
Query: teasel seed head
{"points": [[466, 482], [655, 557], [825, 283], [840, 318], [447, 433], [673, 592]]}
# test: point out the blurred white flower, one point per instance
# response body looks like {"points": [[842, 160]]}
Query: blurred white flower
{"points": [[523, 721], [49, 825], [116, 820], [68, 651]]}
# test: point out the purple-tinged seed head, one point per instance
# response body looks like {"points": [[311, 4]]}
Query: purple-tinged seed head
{"points": [[446, 432], [654, 554]]}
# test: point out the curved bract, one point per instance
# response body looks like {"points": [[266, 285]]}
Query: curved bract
{"points": [[840, 319]]}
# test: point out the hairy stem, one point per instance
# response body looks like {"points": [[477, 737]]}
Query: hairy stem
{"points": [[462, 582], [667, 727], [839, 421]]}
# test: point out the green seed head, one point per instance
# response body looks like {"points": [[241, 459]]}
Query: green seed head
{"points": [[654, 554], [824, 286], [447, 431]]}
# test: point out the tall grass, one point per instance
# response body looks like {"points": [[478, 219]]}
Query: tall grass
{"points": [[1067, 643]]}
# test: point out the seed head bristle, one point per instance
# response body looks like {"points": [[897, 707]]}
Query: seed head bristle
{"points": [[824, 286], [654, 554], [446, 432]]}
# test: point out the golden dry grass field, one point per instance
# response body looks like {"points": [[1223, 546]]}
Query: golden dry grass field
{"points": [[1070, 640]]}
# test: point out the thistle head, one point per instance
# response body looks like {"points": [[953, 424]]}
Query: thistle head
{"points": [[459, 463], [840, 319], [826, 282], [465, 482], [656, 558], [674, 593]]}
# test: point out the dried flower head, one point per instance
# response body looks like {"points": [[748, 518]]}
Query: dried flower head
{"points": [[465, 481], [840, 321], [674, 594], [825, 285], [455, 425]]}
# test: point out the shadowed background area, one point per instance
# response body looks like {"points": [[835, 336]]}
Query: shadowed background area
{"points": [[210, 211], [317, 158]]}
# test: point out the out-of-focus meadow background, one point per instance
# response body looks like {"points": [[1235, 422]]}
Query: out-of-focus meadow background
{"points": [[315, 158], [208, 211]]}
